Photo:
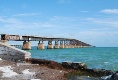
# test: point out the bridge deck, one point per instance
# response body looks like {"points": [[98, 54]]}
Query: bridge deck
{"points": [[38, 38]]}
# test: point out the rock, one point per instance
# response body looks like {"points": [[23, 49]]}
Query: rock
{"points": [[78, 65], [90, 70], [49, 63], [114, 76], [99, 72], [67, 64], [111, 77], [74, 65]]}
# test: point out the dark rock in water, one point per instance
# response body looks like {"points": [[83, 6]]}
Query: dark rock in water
{"points": [[78, 65], [83, 67], [74, 65], [99, 72], [67, 64], [90, 70], [111, 77]]}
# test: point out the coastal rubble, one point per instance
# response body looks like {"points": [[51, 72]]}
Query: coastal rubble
{"points": [[28, 71], [114, 76], [7, 71], [41, 69], [71, 66]]}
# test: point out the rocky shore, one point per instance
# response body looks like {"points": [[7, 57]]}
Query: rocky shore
{"points": [[71, 68], [40, 69], [27, 71]]}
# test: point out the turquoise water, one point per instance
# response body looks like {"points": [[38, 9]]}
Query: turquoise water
{"points": [[95, 57]]}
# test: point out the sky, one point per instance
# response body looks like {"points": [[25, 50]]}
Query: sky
{"points": [[92, 21]]}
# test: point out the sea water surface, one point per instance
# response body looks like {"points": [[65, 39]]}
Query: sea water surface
{"points": [[93, 57]]}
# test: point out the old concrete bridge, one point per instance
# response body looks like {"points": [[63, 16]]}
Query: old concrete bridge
{"points": [[59, 42]]}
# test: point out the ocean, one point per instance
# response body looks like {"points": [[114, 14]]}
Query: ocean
{"points": [[93, 57]]}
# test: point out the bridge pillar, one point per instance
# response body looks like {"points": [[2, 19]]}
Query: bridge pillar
{"points": [[61, 44], [75, 46], [71, 46], [56, 45], [26, 45], [79, 46], [41, 45], [49, 45], [65, 44]]}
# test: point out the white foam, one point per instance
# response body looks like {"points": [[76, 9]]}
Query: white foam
{"points": [[8, 72]]}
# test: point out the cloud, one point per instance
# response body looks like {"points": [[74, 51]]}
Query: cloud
{"points": [[98, 38], [27, 14], [16, 26], [55, 26], [110, 11], [2, 20], [10, 21], [104, 21], [43, 24], [66, 21]]}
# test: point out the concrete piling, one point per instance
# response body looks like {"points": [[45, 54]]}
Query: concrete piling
{"points": [[26, 45]]}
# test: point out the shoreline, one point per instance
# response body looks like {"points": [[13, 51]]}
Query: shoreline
{"points": [[72, 67], [41, 69]]}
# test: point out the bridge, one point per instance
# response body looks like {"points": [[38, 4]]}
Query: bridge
{"points": [[59, 42]]}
